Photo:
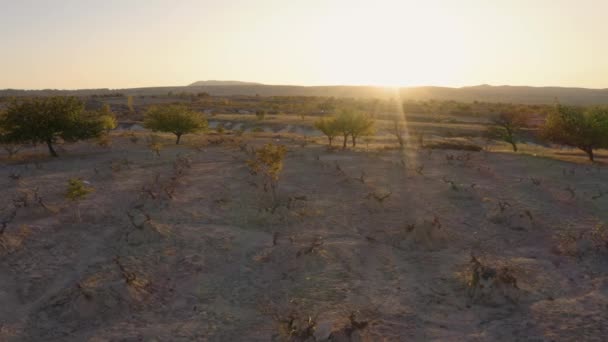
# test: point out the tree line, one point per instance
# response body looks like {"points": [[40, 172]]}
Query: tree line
{"points": [[45, 120]]}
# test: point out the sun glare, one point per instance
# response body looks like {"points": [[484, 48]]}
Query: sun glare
{"points": [[389, 45]]}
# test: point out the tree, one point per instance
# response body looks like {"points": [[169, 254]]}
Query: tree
{"points": [[342, 123], [77, 190], [585, 129], [11, 148], [360, 125], [44, 120], [176, 118], [506, 127], [328, 127]]}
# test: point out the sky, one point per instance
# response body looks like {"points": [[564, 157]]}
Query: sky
{"points": [[69, 44]]}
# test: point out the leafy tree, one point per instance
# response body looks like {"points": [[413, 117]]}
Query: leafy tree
{"points": [[77, 190], [11, 148], [360, 125], [175, 118], [342, 123], [353, 124], [328, 127], [506, 127], [44, 120], [585, 129]]}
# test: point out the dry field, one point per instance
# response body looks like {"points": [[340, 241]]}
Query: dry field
{"points": [[363, 245]]}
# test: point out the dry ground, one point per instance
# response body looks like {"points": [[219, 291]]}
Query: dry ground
{"points": [[364, 246]]}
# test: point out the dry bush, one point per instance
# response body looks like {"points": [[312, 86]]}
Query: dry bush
{"points": [[491, 285], [267, 162], [104, 140], [586, 242], [154, 144]]}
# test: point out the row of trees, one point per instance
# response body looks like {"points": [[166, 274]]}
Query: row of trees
{"points": [[347, 123], [582, 128], [45, 120]]}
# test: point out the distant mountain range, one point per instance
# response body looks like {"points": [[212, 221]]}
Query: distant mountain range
{"points": [[485, 93]]}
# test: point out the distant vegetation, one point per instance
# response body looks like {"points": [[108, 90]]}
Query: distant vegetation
{"points": [[176, 119]]}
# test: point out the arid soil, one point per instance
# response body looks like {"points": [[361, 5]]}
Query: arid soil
{"points": [[362, 245]]}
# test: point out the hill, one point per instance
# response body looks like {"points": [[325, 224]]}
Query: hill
{"points": [[482, 93]]}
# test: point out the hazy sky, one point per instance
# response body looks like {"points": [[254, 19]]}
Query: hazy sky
{"points": [[133, 43]]}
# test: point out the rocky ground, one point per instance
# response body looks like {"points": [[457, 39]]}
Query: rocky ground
{"points": [[363, 245]]}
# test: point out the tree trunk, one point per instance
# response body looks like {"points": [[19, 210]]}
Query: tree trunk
{"points": [[331, 139], [401, 142], [49, 143], [514, 146], [589, 151], [179, 137], [354, 141], [78, 219], [345, 141]]}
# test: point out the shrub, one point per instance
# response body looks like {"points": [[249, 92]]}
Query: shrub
{"points": [[43, 120], [77, 190], [107, 118], [260, 114], [268, 162], [176, 119], [585, 129]]}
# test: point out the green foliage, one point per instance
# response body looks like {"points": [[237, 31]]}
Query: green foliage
{"points": [[328, 127], [44, 120], [175, 118], [107, 118], [586, 129], [77, 190], [354, 124]]}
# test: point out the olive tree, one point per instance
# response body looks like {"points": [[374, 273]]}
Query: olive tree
{"points": [[328, 127], [506, 126], [175, 118], [359, 124], [583, 128], [353, 124], [44, 120]]}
